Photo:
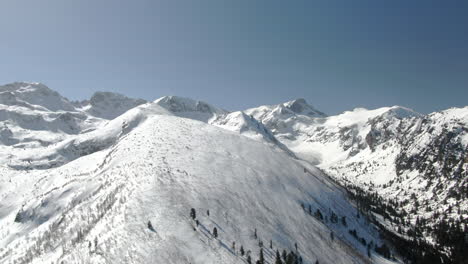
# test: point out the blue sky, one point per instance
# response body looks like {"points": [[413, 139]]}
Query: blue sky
{"points": [[237, 54]]}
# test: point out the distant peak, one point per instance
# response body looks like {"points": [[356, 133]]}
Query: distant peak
{"points": [[107, 96], [182, 104], [23, 85], [402, 112], [300, 106], [297, 101]]}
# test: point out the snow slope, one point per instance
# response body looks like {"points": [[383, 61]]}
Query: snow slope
{"points": [[149, 164], [415, 162]]}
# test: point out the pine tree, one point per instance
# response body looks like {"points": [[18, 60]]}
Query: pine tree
{"points": [[242, 250], [295, 245], [271, 244], [208, 212], [215, 232], [284, 255], [255, 233], [278, 258], [262, 259], [19, 217], [150, 226], [291, 258], [193, 214], [233, 246], [249, 259]]}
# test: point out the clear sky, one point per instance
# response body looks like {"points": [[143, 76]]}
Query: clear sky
{"points": [[242, 53]]}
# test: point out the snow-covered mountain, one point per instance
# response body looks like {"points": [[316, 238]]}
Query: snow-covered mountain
{"points": [[113, 179], [109, 105], [417, 164], [122, 193]]}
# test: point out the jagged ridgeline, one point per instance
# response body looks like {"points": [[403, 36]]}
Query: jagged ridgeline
{"points": [[120, 180]]}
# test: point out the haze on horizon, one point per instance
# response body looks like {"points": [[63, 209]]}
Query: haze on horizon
{"points": [[338, 55]]}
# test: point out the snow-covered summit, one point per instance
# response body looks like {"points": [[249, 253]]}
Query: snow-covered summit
{"points": [[109, 105], [248, 126], [300, 106], [189, 108], [34, 94]]}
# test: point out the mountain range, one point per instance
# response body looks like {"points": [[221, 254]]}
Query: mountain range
{"points": [[114, 179]]}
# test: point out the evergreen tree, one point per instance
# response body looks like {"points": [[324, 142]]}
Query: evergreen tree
{"points": [[295, 245], [278, 258], [215, 232], [193, 214], [150, 226], [291, 258], [255, 233], [284, 255], [19, 217], [233, 246], [242, 252], [249, 259], [271, 244], [318, 214], [208, 212], [262, 259]]}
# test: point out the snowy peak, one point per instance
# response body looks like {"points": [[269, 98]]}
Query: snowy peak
{"points": [[189, 108], [363, 115], [246, 125], [109, 105], [35, 94], [300, 106], [401, 112]]}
